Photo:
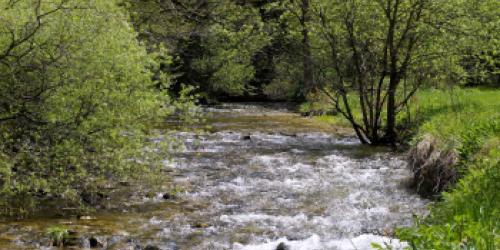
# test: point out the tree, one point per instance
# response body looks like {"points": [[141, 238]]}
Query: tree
{"points": [[297, 18], [213, 43], [305, 19], [232, 40], [71, 73], [382, 51], [479, 22]]}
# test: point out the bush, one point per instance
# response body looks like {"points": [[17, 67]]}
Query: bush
{"points": [[75, 98]]}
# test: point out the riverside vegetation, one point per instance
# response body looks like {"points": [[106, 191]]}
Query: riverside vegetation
{"points": [[84, 85], [454, 148]]}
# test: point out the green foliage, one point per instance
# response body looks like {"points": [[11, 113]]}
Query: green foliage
{"points": [[213, 44], [231, 46], [466, 121], [75, 97], [455, 117], [318, 103], [468, 217], [57, 234]]}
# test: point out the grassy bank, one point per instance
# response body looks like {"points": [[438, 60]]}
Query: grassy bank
{"points": [[468, 216], [456, 117], [464, 123]]}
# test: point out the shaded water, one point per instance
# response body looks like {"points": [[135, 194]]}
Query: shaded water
{"points": [[261, 177]]}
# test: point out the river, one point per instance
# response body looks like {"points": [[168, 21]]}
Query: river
{"points": [[262, 178]]}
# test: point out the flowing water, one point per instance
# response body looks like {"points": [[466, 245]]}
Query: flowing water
{"points": [[262, 178]]}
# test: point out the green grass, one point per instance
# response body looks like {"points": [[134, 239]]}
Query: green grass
{"points": [[468, 217], [450, 116], [466, 121], [57, 234], [336, 120]]}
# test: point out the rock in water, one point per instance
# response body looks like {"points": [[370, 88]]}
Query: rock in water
{"points": [[282, 246], [151, 247], [72, 239], [97, 242], [168, 196], [86, 217]]}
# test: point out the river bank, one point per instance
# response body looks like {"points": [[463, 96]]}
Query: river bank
{"points": [[454, 140]]}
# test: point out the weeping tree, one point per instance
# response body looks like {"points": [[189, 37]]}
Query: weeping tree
{"points": [[381, 52], [76, 94]]}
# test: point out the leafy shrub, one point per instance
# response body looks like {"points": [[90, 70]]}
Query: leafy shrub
{"points": [[75, 97]]}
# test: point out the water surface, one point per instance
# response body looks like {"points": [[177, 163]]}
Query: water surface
{"points": [[262, 176]]}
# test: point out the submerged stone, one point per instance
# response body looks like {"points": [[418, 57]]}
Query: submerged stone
{"points": [[201, 225], [86, 217]]}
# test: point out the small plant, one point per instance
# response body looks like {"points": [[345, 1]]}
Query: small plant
{"points": [[57, 234], [176, 190]]}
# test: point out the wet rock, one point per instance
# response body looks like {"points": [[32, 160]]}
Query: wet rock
{"points": [[246, 138], [288, 134], [151, 247], [97, 242], [125, 183], [282, 246], [121, 246], [168, 196], [116, 239], [200, 225], [84, 243], [72, 239], [86, 217], [93, 198]]}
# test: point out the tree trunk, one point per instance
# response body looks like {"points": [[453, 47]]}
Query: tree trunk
{"points": [[309, 83], [390, 134]]}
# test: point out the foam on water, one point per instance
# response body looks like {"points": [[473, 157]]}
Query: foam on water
{"points": [[318, 189], [362, 242], [252, 190]]}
